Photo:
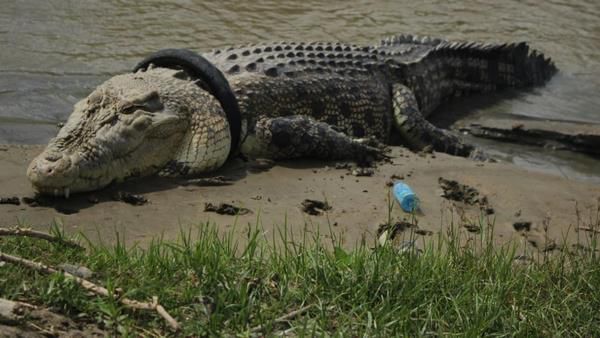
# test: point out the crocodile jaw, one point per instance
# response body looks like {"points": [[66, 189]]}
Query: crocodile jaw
{"points": [[65, 172], [61, 171], [129, 126]]}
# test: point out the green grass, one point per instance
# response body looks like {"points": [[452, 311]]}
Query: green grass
{"points": [[214, 287]]}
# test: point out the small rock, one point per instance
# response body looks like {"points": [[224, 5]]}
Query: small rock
{"points": [[363, 172], [10, 200], [315, 207], [226, 209], [77, 270], [522, 226], [130, 198]]}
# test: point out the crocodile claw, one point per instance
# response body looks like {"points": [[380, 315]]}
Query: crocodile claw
{"points": [[370, 150], [479, 155]]}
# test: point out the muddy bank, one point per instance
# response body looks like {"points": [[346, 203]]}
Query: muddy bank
{"points": [[356, 205], [557, 135]]}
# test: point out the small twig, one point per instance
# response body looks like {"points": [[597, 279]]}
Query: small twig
{"points": [[589, 229], [37, 234], [284, 333], [99, 290], [284, 318], [18, 303], [43, 331]]}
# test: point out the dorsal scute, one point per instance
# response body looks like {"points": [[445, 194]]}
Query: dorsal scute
{"points": [[290, 59], [404, 39]]}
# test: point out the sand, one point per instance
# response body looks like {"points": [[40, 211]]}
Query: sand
{"points": [[274, 196]]}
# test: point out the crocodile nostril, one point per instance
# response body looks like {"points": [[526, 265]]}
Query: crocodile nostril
{"points": [[51, 171]]}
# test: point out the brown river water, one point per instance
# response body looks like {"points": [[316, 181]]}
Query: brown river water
{"points": [[54, 52]]}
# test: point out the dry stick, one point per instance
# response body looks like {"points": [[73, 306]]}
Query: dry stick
{"points": [[99, 290], [284, 318], [43, 331], [37, 234], [589, 229]]}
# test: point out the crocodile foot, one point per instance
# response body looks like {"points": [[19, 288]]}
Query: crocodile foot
{"points": [[370, 150]]}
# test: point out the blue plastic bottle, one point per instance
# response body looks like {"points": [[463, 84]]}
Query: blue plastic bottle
{"points": [[405, 196]]}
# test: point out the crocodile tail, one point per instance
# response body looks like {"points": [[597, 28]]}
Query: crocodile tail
{"points": [[501, 65], [495, 65], [436, 69]]}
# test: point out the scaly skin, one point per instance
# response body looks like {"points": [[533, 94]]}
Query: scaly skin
{"points": [[323, 100], [133, 125]]}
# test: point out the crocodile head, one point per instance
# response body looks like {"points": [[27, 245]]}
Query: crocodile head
{"points": [[129, 126]]}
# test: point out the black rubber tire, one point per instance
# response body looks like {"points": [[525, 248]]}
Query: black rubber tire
{"points": [[198, 67]]}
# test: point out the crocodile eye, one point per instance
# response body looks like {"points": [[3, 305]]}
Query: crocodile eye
{"points": [[148, 102], [130, 108]]}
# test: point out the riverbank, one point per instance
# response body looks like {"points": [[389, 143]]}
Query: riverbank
{"points": [[551, 206], [205, 284], [362, 267]]}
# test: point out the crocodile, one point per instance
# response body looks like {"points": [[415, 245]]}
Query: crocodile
{"points": [[180, 113]]}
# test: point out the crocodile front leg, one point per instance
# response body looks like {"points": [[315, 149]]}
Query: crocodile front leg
{"points": [[417, 132], [301, 136], [206, 144]]}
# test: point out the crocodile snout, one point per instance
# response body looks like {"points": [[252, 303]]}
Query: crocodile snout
{"points": [[50, 170]]}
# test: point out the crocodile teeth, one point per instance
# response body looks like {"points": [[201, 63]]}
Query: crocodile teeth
{"points": [[67, 192]]}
